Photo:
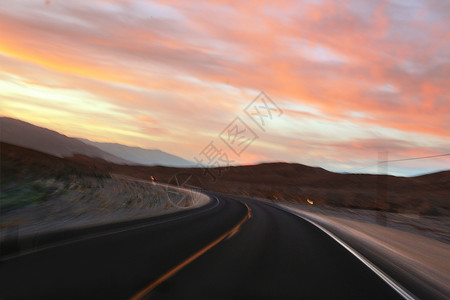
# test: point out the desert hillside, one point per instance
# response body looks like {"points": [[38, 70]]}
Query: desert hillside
{"points": [[427, 194]]}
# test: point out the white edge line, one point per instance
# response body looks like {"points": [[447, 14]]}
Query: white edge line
{"points": [[92, 236], [386, 278]]}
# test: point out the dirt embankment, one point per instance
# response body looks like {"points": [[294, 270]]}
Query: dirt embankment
{"points": [[40, 192]]}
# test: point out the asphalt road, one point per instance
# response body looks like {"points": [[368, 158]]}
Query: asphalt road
{"points": [[227, 249]]}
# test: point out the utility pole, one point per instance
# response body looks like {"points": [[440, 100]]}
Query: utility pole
{"points": [[382, 184]]}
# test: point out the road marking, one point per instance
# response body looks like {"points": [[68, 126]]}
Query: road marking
{"points": [[92, 236], [249, 216], [386, 278], [231, 232]]}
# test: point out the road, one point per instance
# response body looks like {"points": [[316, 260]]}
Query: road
{"points": [[229, 249]]}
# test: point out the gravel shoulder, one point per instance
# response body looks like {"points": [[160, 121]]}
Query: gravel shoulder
{"points": [[424, 257]]}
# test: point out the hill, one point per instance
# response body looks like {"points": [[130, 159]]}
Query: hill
{"points": [[427, 194], [26, 135], [17, 132], [141, 156]]}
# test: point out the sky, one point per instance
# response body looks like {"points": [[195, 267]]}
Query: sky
{"points": [[344, 82]]}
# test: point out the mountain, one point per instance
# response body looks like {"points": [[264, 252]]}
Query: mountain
{"points": [[142, 156], [24, 134], [20, 133]]}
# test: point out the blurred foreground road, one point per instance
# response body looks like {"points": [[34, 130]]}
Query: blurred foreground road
{"points": [[272, 255]]}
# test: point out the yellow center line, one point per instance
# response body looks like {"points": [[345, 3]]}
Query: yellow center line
{"points": [[154, 284]]}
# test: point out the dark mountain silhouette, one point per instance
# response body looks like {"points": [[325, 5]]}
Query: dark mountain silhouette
{"points": [[24, 134], [27, 135], [142, 156]]}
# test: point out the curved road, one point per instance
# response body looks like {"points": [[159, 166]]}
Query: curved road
{"points": [[229, 249]]}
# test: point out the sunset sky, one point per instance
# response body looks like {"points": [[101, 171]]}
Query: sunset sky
{"points": [[352, 78]]}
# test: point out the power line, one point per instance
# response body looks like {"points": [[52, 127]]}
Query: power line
{"points": [[395, 160], [414, 158]]}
